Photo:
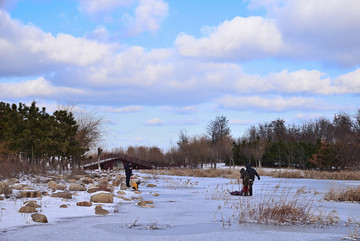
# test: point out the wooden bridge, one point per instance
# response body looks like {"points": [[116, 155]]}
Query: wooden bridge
{"points": [[119, 161]]}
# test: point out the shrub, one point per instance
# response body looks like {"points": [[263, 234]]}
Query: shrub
{"points": [[282, 207], [341, 194]]}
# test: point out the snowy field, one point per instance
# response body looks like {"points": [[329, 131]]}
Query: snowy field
{"points": [[183, 208]]}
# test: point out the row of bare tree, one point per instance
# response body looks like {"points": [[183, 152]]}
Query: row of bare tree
{"points": [[319, 143]]}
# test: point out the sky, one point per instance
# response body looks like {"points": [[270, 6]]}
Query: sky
{"points": [[151, 68]]}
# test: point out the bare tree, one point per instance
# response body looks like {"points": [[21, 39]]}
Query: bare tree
{"points": [[183, 144], [218, 130]]}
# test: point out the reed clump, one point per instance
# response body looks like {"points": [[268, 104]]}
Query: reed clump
{"points": [[342, 194], [283, 207]]}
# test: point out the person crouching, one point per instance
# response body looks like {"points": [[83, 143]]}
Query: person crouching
{"points": [[244, 175]]}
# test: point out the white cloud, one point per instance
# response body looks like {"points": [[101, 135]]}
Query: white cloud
{"points": [[239, 122], [182, 110], [320, 30], [148, 15], [39, 87], [327, 30], [94, 7], [314, 82], [240, 38], [27, 50], [348, 83], [155, 122], [126, 109], [278, 103], [299, 81]]}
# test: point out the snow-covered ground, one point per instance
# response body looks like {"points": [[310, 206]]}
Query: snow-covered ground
{"points": [[186, 208]]}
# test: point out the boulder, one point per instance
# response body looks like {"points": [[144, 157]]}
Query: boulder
{"points": [[116, 182], [52, 185], [143, 203], [29, 194], [156, 194], [63, 206], [136, 198], [93, 189], [19, 186], [45, 194], [151, 185], [86, 180], [61, 187], [100, 211], [102, 198], [5, 189], [39, 218], [32, 204], [121, 193], [123, 186], [84, 204], [148, 206], [77, 187], [11, 181], [103, 181], [66, 195], [125, 198], [27, 209]]}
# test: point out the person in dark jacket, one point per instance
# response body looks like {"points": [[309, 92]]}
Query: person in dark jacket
{"points": [[128, 172], [244, 175], [252, 173]]}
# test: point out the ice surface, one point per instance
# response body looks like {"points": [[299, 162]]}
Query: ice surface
{"points": [[199, 210]]}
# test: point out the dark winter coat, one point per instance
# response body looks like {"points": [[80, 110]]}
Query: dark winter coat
{"points": [[128, 169], [244, 175], [252, 172]]}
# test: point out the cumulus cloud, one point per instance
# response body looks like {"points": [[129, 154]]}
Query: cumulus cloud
{"points": [[348, 83], [28, 50], [182, 110], [239, 122], [94, 7], [277, 103], [240, 38], [126, 109], [155, 122], [322, 30], [148, 15], [313, 82], [38, 87]]}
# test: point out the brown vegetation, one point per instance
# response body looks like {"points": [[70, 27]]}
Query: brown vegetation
{"points": [[340, 194], [225, 173], [313, 174], [282, 207]]}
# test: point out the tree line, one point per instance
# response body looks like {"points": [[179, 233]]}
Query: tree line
{"points": [[39, 138], [321, 143], [58, 139]]}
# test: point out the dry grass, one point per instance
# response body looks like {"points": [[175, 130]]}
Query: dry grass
{"points": [[180, 183], [234, 173], [282, 208], [341, 194], [313, 174], [12, 168], [225, 173], [355, 234]]}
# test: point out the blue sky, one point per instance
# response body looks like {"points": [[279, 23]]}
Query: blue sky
{"points": [[151, 68]]}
